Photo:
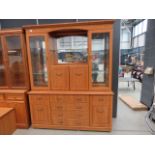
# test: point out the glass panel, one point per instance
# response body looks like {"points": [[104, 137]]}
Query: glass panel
{"points": [[2, 67], [17, 75], [38, 58], [70, 49], [100, 51]]}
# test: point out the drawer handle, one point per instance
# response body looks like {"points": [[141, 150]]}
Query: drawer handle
{"points": [[78, 74], [59, 74], [59, 107], [40, 109], [78, 107], [61, 122], [60, 115], [100, 110], [101, 99], [39, 98], [79, 99]]}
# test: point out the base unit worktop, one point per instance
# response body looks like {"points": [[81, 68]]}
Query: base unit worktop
{"points": [[85, 111]]}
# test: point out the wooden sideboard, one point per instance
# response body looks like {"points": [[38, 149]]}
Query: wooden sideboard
{"points": [[70, 68], [14, 75]]}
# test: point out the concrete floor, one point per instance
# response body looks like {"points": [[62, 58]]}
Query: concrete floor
{"points": [[128, 122]]}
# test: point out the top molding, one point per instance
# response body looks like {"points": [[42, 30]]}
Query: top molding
{"points": [[98, 22], [11, 31]]}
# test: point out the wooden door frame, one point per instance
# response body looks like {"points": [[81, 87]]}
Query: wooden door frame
{"points": [[33, 87], [23, 51], [102, 87], [4, 62]]}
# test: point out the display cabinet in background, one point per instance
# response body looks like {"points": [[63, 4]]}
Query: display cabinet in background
{"points": [[14, 76], [71, 75]]}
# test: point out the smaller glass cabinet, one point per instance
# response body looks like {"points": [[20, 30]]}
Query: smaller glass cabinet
{"points": [[13, 71], [100, 58], [38, 61]]}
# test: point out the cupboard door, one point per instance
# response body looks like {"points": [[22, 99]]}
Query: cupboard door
{"points": [[20, 111], [60, 77], [15, 61], [101, 111], [100, 64], [79, 77], [39, 106], [3, 82], [38, 61]]}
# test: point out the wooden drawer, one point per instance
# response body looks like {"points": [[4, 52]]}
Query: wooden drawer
{"points": [[58, 102], [79, 77], [79, 102], [77, 122], [15, 97], [101, 100], [80, 98], [60, 77], [78, 106], [78, 114], [39, 98], [57, 117]]}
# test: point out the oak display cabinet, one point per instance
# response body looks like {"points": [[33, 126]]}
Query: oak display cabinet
{"points": [[14, 76], [71, 75]]}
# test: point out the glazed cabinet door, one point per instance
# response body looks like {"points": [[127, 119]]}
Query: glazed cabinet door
{"points": [[101, 111], [100, 62], [38, 62], [15, 61], [3, 82], [39, 106]]}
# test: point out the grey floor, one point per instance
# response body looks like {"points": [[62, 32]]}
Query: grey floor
{"points": [[128, 122]]}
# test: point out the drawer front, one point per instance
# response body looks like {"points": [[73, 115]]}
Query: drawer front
{"points": [[80, 98], [77, 122], [79, 102], [58, 102], [78, 114], [101, 100], [15, 97], [57, 117], [40, 98]]}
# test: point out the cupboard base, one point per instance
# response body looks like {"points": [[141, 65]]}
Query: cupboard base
{"points": [[81, 111]]}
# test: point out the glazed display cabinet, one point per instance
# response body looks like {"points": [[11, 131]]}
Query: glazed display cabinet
{"points": [[71, 75], [14, 76]]}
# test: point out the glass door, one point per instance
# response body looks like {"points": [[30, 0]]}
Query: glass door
{"points": [[99, 64], [38, 61], [3, 82], [15, 61]]}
